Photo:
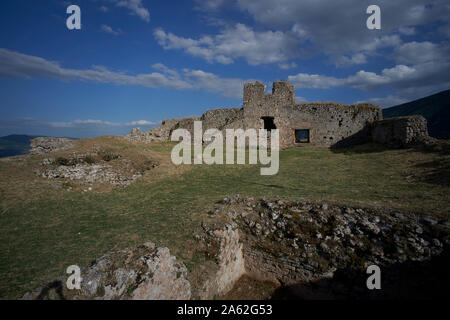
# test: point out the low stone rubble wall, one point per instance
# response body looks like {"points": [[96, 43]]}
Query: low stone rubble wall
{"points": [[400, 131], [43, 145]]}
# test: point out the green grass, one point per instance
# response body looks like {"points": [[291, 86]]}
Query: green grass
{"points": [[43, 230]]}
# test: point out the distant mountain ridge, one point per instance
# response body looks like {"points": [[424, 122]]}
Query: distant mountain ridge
{"points": [[434, 108]]}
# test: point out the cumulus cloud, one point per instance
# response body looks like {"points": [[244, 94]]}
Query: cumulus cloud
{"points": [[339, 27], [18, 65], [287, 66], [88, 122], [345, 61], [407, 31], [388, 101], [238, 41], [422, 52], [107, 29], [142, 123], [209, 5], [423, 67], [135, 7], [400, 76]]}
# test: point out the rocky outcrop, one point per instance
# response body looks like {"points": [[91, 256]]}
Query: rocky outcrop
{"points": [[295, 243], [142, 273], [43, 145], [313, 249], [94, 167]]}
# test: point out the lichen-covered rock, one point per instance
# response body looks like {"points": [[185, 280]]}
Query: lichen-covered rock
{"points": [[94, 167], [292, 242], [142, 273], [43, 145]]}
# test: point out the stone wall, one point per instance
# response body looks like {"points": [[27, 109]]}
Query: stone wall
{"points": [[162, 132], [222, 242], [221, 118], [400, 131], [328, 123]]}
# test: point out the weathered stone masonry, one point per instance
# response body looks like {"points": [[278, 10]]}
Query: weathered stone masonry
{"points": [[324, 124], [317, 124]]}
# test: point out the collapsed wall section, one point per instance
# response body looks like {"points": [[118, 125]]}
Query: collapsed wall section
{"points": [[400, 131]]}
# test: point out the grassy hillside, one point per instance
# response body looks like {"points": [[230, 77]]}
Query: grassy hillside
{"points": [[45, 228], [14, 144], [435, 108]]}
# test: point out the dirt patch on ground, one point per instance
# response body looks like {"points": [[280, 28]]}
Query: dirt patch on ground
{"points": [[247, 288]]}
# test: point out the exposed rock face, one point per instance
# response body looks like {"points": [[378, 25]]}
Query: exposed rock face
{"points": [[144, 272], [298, 243], [86, 169], [43, 145], [225, 246]]}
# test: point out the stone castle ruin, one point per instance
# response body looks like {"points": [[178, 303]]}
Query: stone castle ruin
{"points": [[317, 124]]}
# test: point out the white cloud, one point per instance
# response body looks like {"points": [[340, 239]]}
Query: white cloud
{"points": [[136, 8], [141, 123], [421, 77], [209, 5], [388, 101], [107, 29], [407, 31], [15, 64], [345, 61], [239, 41], [338, 27], [98, 123], [78, 123], [304, 80], [422, 52], [287, 66]]}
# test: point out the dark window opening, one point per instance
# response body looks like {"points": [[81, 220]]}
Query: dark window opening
{"points": [[302, 136], [269, 123]]}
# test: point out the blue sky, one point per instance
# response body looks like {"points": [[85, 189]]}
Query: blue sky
{"points": [[136, 62]]}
